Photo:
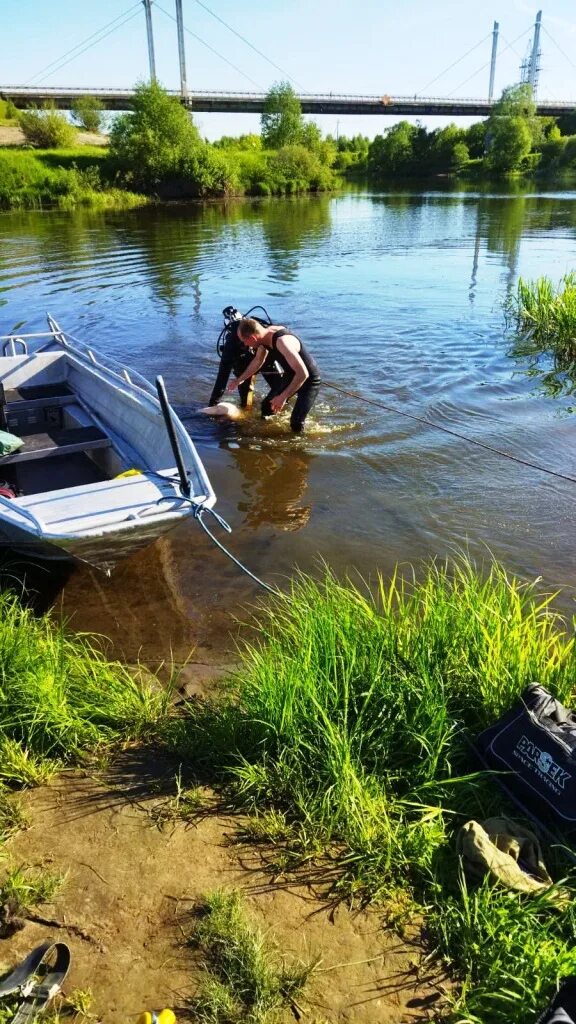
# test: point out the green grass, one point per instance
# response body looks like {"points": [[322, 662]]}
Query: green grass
{"points": [[24, 888], [246, 981], [344, 732], [32, 179], [60, 698], [547, 314]]}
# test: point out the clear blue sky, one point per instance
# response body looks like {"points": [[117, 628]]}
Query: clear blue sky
{"points": [[340, 46]]}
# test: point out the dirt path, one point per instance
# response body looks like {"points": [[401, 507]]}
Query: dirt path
{"points": [[131, 886], [12, 136]]}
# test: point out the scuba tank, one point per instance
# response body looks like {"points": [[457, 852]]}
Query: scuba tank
{"points": [[235, 357]]}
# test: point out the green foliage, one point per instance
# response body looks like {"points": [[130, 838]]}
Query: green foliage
{"points": [[60, 697], [151, 143], [47, 128], [8, 111], [87, 113], [295, 169], [393, 152], [24, 888], [250, 142], [567, 123], [475, 138], [509, 951], [247, 982], [348, 720], [447, 149], [281, 122], [543, 315], [29, 180], [509, 142], [515, 101]]}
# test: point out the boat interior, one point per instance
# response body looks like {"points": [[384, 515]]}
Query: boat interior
{"points": [[63, 447]]}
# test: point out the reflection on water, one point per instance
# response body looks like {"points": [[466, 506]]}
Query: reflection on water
{"points": [[399, 296], [274, 485]]}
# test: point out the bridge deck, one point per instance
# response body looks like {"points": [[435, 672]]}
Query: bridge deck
{"points": [[253, 103]]}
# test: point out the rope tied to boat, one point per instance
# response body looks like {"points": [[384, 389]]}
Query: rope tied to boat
{"points": [[198, 510]]}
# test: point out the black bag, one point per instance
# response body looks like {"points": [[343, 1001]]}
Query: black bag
{"points": [[562, 1009], [535, 745]]}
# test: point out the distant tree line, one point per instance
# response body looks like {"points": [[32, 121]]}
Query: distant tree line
{"points": [[156, 150], [512, 139]]}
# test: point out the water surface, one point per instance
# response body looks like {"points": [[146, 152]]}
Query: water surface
{"points": [[399, 296]]}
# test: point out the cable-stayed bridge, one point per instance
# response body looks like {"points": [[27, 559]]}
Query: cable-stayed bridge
{"points": [[253, 102], [26, 94]]}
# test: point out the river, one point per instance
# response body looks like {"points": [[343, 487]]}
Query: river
{"points": [[399, 296]]}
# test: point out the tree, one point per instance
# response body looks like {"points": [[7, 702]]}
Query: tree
{"points": [[447, 149], [510, 142], [393, 152], [87, 113], [476, 138], [281, 122], [151, 143], [511, 129]]}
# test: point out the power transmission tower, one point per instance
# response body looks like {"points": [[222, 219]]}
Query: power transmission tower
{"points": [[148, 10]]}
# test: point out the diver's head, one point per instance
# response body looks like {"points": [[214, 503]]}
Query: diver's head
{"points": [[251, 332]]}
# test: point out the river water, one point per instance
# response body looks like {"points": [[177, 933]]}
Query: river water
{"points": [[399, 296]]}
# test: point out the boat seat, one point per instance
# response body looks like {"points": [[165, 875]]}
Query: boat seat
{"points": [[39, 404], [57, 442], [38, 394]]}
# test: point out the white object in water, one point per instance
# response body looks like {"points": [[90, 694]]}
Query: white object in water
{"points": [[85, 421], [227, 409]]}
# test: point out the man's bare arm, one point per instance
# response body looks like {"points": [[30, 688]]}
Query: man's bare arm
{"points": [[252, 368]]}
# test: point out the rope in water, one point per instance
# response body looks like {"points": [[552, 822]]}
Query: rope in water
{"points": [[198, 513], [453, 433]]}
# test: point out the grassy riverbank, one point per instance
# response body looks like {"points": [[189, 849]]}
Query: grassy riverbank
{"points": [[344, 736], [342, 739], [65, 179]]}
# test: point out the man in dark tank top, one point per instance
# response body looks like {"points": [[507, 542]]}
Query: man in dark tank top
{"points": [[300, 377]]}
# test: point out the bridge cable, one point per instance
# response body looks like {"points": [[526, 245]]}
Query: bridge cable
{"points": [[446, 70], [453, 433], [248, 43], [88, 38], [487, 64], [207, 45], [558, 47]]}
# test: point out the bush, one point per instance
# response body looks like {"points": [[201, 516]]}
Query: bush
{"points": [[46, 128], [87, 113], [8, 111]]}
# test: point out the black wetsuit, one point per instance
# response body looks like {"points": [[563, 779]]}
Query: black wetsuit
{"points": [[306, 395], [234, 359]]}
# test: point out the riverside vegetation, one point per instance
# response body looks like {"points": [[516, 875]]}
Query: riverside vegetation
{"points": [[543, 318], [342, 738], [156, 151]]}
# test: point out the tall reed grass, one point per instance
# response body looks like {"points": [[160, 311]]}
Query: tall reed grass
{"points": [[349, 719], [547, 314], [60, 697]]}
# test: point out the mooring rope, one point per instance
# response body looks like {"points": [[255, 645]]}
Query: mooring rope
{"points": [[198, 511], [446, 430]]}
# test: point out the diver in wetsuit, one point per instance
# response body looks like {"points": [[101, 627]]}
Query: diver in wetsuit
{"points": [[235, 357], [301, 376]]}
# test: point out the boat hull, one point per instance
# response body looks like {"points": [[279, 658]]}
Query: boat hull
{"points": [[103, 551]]}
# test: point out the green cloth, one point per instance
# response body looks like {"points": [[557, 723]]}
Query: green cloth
{"points": [[506, 851], [9, 443]]}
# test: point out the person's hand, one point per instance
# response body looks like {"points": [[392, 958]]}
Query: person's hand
{"points": [[277, 403], [233, 385]]}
